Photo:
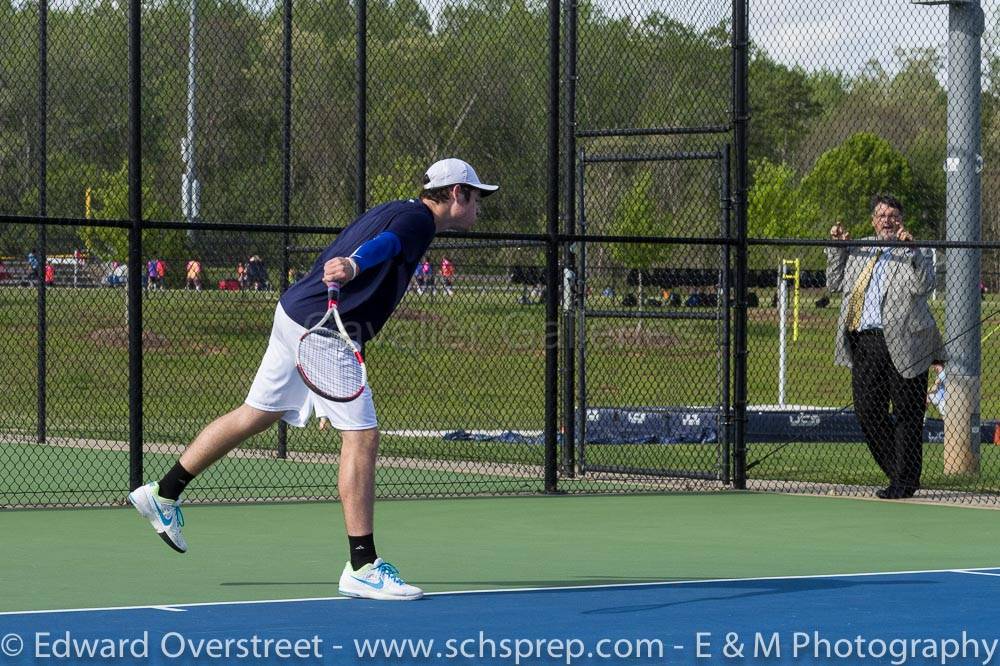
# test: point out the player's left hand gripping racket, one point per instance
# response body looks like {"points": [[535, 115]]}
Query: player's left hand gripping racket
{"points": [[330, 363]]}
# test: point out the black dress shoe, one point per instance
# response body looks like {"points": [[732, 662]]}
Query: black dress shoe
{"points": [[894, 492]]}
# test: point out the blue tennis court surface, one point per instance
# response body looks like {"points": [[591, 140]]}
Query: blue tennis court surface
{"points": [[930, 617]]}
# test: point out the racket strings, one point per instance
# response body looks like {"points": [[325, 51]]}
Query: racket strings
{"points": [[329, 364]]}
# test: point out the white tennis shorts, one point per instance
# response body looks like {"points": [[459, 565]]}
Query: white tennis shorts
{"points": [[278, 387]]}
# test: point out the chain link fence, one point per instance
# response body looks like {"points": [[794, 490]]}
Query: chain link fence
{"points": [[807, 430], [865, 111], [627, 317]]}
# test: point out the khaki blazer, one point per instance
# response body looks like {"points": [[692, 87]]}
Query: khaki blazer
{"points": [[911, 334]]}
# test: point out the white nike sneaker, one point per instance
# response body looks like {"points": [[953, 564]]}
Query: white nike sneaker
{"points": [[377, 581], [165, 515]]}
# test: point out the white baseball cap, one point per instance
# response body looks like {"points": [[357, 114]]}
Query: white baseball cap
{"points": [[453, 171]]}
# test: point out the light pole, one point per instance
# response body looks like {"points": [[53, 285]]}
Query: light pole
{"points": [[190, 188], [963, 165]]}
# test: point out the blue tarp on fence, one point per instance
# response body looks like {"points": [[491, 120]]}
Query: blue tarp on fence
{"points": [[695, 425]]}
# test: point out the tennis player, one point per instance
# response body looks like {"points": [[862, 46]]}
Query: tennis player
{"points": [[373, 259]]}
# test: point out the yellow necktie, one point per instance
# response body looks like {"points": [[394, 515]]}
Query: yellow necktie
{"points": [[856, 299]]}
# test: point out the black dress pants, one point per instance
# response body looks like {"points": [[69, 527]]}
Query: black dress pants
{"points": [[894, 437]]}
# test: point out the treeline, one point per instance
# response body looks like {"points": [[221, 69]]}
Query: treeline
{"points": [[470, 80]]}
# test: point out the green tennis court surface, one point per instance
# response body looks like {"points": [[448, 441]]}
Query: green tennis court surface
{"points": [[110, 557]]}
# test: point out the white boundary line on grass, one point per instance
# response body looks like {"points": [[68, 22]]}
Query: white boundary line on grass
{"points": [[180, 607]]}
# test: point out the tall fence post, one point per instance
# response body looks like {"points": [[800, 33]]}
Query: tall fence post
{"points": [[135, 242], [725, 296], [571, 279], [580, 226], [740, 119], [963, 306], [361, 194], [286, 176], [42, 250], [552, 256]]}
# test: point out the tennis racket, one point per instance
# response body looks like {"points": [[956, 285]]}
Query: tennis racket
{"points": [[329, 362]]}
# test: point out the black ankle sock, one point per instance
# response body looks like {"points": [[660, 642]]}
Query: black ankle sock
{"points": [[174, 483], [362, 550]]}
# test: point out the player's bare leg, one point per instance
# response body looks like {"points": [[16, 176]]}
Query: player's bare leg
{"points": [[356, 480], [224, 434], [378, 579]]}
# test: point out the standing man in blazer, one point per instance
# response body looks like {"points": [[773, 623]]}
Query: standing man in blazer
{"points": [[888, 337]]}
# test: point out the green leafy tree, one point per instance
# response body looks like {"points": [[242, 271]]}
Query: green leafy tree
{"points": [[927, 153], [18, 112], [109, 201], [637, 214], [777, 208], [844, 178], [466, 79], [333, 19], [399, 183], [827, 89], [776, 205], [393, 19], [783, 103]]}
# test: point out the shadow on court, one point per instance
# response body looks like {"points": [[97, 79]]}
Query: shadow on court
{"points": [[762, 588], [514, 584]]}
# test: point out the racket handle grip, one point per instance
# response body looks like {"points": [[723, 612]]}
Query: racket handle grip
{"points": [[332, 293]]}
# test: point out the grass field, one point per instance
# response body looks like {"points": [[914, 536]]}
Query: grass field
{"points": [[473, 361], [53, 474]]}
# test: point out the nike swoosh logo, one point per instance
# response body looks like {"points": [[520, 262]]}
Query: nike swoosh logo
{"points": [[156, 505], [374, 586]]}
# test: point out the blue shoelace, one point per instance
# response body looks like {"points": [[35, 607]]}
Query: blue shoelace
{"points": [[388, 570]]}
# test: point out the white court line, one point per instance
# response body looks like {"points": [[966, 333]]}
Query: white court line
{"points": [[170, 609], [512, 590], [973, 572]]}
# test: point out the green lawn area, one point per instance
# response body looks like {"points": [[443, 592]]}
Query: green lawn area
{"points": [[61, 475], [52, 474], [473, 361]]}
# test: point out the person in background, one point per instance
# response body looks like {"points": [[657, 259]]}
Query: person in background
{"points": [[193, 275], [161, 273], [32, 275], [418, 278], [447, 275], [118, 275], [427, 274], [151, 275], [256, 274]]}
